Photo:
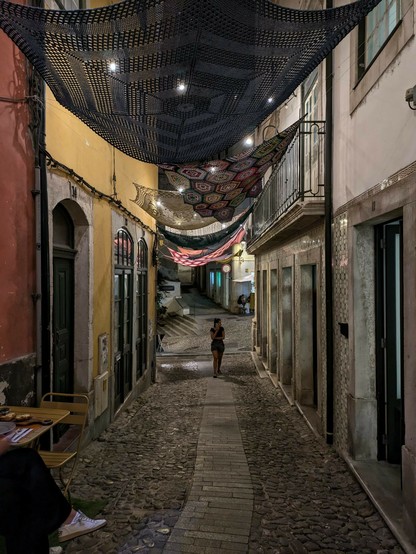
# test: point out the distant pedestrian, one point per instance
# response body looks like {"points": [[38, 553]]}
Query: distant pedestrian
{"points": [[217, 345], [243, 304]]}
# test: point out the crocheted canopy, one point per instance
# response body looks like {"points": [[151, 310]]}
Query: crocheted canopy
{"points": [[168, 208], [218, 187], [208, 239], [197, 258], [173, 81]]}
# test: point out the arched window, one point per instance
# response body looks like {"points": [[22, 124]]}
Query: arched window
{"points": [[63, 228], [141, 306], [123, 248], [123, 313]]}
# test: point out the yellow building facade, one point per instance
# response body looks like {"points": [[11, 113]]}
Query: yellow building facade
{"points": [[102, 270]]}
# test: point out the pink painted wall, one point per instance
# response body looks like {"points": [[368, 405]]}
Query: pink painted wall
{"points": [[17, 223]]}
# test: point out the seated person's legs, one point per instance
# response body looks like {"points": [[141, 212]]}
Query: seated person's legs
{"points": [[32, 501]]}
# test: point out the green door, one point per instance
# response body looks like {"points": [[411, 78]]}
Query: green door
{"points": [[63, 324], [390, 342]]}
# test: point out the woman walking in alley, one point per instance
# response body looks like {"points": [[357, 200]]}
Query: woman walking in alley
{"points": [[217, 345]]}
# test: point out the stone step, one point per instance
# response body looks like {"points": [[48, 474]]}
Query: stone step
{"points": [[176, 326]]}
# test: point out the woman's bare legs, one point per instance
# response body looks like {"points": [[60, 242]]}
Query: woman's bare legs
{"points": [[219, 361], [215, 354]]}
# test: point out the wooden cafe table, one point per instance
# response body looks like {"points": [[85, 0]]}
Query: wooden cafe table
{"points": [[37, 429]]}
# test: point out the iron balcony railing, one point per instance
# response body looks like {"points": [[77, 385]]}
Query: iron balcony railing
{"points": [[297, 177]]}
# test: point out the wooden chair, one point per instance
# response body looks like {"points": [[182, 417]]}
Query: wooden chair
{"points": [[77, 405]]}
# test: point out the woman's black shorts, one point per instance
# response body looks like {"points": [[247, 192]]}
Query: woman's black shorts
{"points": [[217, 345]]}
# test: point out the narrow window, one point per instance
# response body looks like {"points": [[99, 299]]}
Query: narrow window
{"points": [[123, 310], [141, 307], [375, 30]]}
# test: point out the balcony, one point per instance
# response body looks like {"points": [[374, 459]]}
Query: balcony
{"points": [[292, 199]]}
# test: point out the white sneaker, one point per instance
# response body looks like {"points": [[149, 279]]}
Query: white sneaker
{"points": [[56, 550], [80, 525]]}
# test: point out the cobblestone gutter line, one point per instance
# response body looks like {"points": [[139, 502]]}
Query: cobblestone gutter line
{"points": [[306, 500]]}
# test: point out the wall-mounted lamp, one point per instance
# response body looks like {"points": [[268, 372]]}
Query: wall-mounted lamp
{"points": [[239, 254], [410, 97]]}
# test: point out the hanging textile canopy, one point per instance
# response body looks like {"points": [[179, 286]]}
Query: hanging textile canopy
{"points": [[217, 187], [197, 259], [168, 208], [202, 241], [169, 81]]}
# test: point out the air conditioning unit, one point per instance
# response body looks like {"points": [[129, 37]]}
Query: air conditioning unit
{"points": [[101, 393]]}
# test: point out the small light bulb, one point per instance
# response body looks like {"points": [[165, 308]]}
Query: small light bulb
{"points": [[249, 141], [181, 87], [158, 203], [180, 189], [270, 100], [112, 66]]}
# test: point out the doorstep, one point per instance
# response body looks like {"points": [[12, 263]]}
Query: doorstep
{"points": [[381, 482]]}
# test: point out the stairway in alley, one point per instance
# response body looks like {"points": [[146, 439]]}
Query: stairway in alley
{"points": [[177, 326], [189, 334]]}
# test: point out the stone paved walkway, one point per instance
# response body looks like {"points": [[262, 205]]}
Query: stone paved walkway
{"points": [[217, 515], [195, 446]]}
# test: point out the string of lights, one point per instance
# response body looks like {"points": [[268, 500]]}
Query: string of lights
{"points": [[23, 100], [79, 180]]}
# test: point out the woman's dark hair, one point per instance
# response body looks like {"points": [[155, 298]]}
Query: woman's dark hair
{"points": [[216, 320]]}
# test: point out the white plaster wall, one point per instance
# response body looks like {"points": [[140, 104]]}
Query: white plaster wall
{"points": [[377, 138]]}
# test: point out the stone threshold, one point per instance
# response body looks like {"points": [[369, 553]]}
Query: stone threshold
{"points": [[381, 482]]}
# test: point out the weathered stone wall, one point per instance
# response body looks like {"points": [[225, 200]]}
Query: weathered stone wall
{"points": [[17, 384], [340, 310], [305, 249]]}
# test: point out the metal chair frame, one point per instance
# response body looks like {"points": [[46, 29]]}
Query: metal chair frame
{"points": [[78, 415]]}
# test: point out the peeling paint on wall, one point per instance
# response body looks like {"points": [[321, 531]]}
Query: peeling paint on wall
{"points": [[28, 401], [3, 386]]}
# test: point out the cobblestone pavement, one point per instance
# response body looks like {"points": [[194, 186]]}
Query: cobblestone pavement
{"points": [[237, 335], [305, 499], [143, 465]]}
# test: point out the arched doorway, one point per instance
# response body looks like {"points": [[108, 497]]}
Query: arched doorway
{"points": [[63, 301]]}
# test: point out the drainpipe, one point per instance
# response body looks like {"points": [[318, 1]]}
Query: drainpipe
{"points": [[328, 247], [42, 373], [46, 302], [38, 294]]}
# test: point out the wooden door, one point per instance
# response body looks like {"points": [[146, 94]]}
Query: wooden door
{"points": [[63, 324]]}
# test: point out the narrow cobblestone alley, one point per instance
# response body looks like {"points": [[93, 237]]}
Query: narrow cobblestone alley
{"points": [[149, 467]]}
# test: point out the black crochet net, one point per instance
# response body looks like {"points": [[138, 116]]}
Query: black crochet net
{"points": [[236, 59]]}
